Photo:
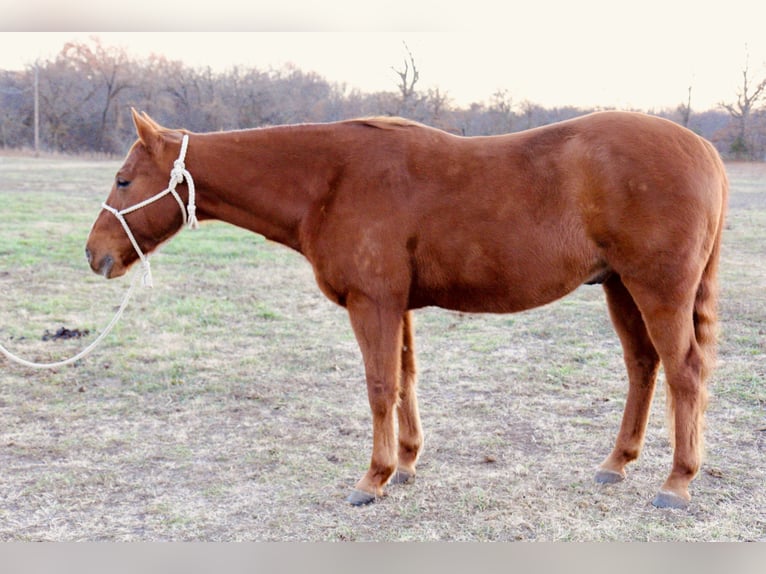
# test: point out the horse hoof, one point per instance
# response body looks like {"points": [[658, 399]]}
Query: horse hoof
{"points": [[402, 477], [360, 497], [665, 499], [604, 476]]}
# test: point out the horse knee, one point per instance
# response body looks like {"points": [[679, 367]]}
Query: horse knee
{"points": [[382, 396]]}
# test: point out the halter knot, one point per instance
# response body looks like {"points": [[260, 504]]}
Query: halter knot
{"points": [[177, 173]]}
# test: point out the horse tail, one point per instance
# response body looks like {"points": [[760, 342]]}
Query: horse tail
{"points": [[706, 299]]}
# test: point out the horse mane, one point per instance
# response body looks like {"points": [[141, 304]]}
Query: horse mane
{"points": [[386, 122]]}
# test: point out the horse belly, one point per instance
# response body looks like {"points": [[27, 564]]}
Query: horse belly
{"points": [[499, 286]]}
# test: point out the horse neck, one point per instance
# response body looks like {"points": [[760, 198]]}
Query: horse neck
{"points": [[264, 180]]}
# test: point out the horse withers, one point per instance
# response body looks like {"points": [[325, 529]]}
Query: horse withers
{"points": [[394, 216]]}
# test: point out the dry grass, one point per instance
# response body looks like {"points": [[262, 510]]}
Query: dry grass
{"points": [[229, 403]]}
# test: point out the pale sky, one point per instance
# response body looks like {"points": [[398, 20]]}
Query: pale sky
{"points": [[589, 53]]}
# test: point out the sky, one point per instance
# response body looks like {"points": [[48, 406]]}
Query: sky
{"points": [[587, 53]]}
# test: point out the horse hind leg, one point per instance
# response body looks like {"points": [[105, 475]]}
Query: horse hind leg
{"points": [[672, 321], [687, 401], [410, 431], [642, 363]]}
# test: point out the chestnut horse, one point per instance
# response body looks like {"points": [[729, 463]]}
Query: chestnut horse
{"points": [[394, 216]]}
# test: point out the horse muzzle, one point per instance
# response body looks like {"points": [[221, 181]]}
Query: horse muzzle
{"points": [[102, 266]]}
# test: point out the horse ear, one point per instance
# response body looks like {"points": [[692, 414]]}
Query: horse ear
{"points": [[148, 131]]}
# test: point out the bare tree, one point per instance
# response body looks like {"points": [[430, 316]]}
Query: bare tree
{"points": [[436, 102], [65, 106], [502, 107], [685, 109], [108, 68], [749, 98], [15, 108], [528, 110], [408, 78]]}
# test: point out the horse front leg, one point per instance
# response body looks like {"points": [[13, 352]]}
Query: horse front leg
{"points": [[410, 431], [378, 331]]}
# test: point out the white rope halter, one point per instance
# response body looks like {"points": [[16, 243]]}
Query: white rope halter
{"points": [[177, 175]]}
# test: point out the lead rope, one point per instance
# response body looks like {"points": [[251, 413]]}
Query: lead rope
{"points": [[177, 175], [87, 349]]}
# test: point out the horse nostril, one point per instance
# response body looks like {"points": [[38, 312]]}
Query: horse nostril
{"points": [[106, 266], [88, 255]]}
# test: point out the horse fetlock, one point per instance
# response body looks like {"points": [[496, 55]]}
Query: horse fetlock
{"points": [[403, 476], [408, 455], [376, 478], [612, 470]]}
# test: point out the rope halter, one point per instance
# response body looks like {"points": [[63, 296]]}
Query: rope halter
{"points": [[177, 176]]}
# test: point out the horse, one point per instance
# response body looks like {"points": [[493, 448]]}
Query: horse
{"points": [[394, 216]]}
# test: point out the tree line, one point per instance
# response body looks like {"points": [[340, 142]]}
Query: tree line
{"points": [[85, 92]]}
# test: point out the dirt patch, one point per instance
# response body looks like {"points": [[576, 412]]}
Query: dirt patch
{"points": [[64, 333]]}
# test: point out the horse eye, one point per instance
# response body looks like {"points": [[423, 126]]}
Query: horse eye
{"points": [[122, 183]]}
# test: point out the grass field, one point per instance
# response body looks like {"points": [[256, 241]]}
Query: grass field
{"points": [[229, 403]]}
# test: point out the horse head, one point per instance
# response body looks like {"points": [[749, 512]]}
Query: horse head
{"points": [[135, 218]]}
